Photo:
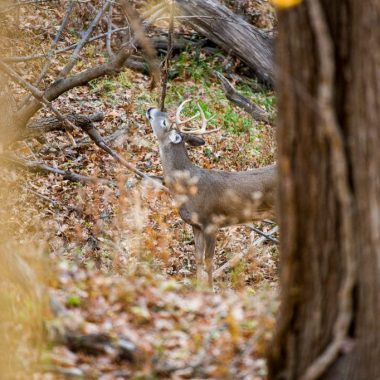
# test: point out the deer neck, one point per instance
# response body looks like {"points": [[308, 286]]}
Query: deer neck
{"points": [[175, 158]]}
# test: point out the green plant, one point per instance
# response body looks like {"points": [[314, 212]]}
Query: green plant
{"points": [[73, 300], [236, 123]]}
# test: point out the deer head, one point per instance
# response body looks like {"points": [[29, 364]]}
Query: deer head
{"points": [[168, 134]]}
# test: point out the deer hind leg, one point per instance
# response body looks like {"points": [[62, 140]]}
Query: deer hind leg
{"points": [[200, 245], [210, 240]]}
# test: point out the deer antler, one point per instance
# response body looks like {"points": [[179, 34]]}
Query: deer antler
{"points": [[178, 120], [195, 131]]}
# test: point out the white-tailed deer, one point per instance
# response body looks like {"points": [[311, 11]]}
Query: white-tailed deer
{"points": [[209, 199]]}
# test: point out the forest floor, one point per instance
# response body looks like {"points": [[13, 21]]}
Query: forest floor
{"points": [[118, 262]]}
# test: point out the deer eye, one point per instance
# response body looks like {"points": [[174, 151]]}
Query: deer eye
{"points": [[163, 123]]}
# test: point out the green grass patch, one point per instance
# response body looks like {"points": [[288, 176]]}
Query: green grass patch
{"points": [[73, 301]]}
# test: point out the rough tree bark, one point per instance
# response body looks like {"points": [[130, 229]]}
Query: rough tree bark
{"points": [[231, 33], [329, 196]]}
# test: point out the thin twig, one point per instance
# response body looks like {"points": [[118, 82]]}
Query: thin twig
{"points": [[41, 167], [148, 20], [39, 95], [27, 58], [200, 17], [264, 234], [332, 131], [42, 196], [235, 260], [23, 3], [75, 55], [51, 53], [97, 37], [166, 66], [109, 33], [85, 141], [95, 136], [138, 29]]}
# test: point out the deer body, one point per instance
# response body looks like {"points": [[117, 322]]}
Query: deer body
{"points": [[231, 197], [210, 199]]}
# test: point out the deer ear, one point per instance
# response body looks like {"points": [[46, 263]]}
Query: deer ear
{"points": [[193, 140], [175, 137]]}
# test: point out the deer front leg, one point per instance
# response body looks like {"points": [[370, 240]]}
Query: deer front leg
{"points": [[200, 245], [210, 240]]}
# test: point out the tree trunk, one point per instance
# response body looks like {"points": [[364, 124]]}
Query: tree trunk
{"points": [[232, 34], [329, 192]]}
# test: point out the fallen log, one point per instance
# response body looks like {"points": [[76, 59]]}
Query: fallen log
{"points": [[232, 34], [241, 101], [48, 124]]}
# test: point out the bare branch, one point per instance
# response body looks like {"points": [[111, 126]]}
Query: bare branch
{"points": [[51, 51], [148, 16], [27, 58], [241, 101], [85, 141], [139, 36], [166, 66], [109, 33], [264, 234], [60, 86], [40, 167], [22, 3], [237, 258], [95, 136], [75, 55], [39, 95]]}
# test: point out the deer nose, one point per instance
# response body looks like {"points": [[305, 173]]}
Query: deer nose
{"points": [[148, 113]]}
